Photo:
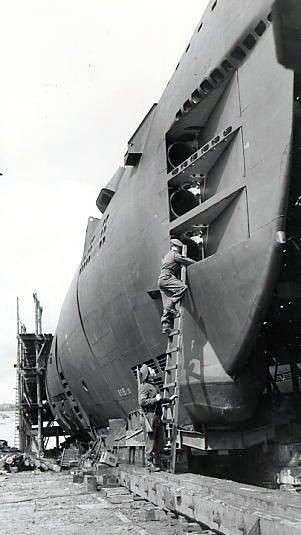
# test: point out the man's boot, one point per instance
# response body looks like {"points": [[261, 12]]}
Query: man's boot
{"points": [[154, 467], [166, 328], [173, 313]]}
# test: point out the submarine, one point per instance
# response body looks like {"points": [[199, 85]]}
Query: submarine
{"points": [[215, 163]]}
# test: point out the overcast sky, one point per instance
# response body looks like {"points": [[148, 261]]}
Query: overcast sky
{"points": [[77, 77]]}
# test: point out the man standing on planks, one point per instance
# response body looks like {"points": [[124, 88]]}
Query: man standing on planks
{"points": [[150, 401]]}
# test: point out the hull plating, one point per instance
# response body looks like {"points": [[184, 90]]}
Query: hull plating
{"points": [[109, 324]]}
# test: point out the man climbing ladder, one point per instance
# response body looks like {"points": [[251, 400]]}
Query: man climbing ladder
{"points": [[171, 287], [173, 370]]}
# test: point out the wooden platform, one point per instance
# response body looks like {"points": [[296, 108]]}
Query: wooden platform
{"points": [[229, 507]]}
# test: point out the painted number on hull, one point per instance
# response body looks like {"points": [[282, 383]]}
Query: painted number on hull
{"points": [[123, 392]]}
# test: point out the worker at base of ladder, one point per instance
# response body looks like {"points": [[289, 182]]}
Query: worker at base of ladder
{"points": [[150, 401], [171, 287]]}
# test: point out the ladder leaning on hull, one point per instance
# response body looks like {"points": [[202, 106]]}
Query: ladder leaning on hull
{"points": [[174, 360]]}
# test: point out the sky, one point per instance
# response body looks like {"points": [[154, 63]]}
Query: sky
{"points": [[77, 78]]}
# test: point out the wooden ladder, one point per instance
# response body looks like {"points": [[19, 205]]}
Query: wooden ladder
{"points": [[174, 354]]}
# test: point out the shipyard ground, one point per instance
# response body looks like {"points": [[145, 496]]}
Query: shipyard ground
{"points": [[32, 503], [129, 500]]}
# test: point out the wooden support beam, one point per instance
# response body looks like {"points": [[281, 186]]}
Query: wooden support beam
{"points": [[226, 506]]}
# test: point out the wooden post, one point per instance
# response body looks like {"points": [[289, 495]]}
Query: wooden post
{"points": [[38, 316], [18, 411], [39, 406]]}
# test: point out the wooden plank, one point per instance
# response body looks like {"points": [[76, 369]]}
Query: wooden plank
{"points": [[226, 506]]}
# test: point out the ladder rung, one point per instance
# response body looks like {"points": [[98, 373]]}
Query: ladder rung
{"points": [[172, 350], [174, 332], [170, 385], [171, 368]]}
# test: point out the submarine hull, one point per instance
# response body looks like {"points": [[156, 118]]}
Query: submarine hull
{"points": [[229, 88]]}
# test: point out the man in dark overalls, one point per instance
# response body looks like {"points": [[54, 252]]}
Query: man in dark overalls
{"points": [[171, 287], [150, 401]]}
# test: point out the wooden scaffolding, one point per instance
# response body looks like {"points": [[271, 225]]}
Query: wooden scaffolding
{"points": [[34, 422]]}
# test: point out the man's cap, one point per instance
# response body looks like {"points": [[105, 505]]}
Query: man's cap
{"points": [[176, 242], [144, 372]]}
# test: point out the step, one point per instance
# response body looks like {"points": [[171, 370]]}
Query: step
{"points": [[172, 350], [171, 368], [169, 385], [174, 332]]}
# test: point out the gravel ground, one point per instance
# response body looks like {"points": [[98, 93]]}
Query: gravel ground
{"points": [[51, 504]]}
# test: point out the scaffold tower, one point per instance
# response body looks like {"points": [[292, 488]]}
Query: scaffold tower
{"points": [[34, 422]]}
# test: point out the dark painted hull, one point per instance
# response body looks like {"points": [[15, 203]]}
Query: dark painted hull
{"points": [[108, 323]]}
